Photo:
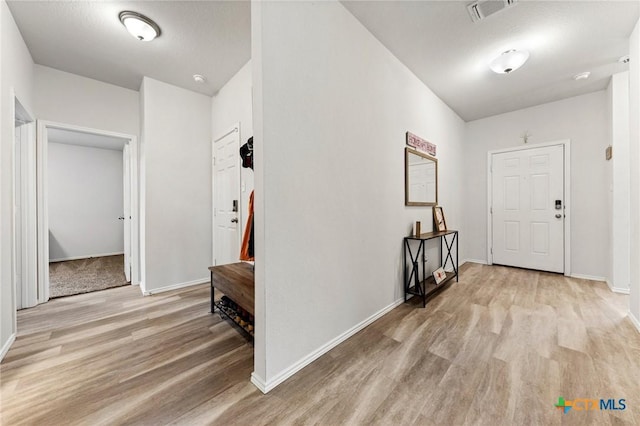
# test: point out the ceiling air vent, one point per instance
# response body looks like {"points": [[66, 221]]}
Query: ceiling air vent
{"points": [[483, 8]]}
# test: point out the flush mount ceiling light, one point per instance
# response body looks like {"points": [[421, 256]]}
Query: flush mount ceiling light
{"points": [[139, 26], [199, 78], [582, 76], [509, 61]]}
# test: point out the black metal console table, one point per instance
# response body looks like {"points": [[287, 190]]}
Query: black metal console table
{"points": [[426, 287]]}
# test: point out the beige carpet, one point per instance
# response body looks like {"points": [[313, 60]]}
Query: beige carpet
{"points": [[85, 275]]}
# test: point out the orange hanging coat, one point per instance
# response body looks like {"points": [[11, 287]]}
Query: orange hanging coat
{"points": [[246, 252]]}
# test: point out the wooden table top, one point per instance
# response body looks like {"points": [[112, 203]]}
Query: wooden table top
{"points": [[236, 281], [431, 235]]}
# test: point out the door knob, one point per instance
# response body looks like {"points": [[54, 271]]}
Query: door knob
{"points": [[234, 220], [558, 216]]}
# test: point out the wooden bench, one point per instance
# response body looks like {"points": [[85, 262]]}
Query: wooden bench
{"points": [[235, 281]]}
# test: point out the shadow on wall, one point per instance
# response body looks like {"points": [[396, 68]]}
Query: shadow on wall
{"points": [[55, 249]]}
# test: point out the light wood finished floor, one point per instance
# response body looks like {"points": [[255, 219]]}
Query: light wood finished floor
{"points": [[497, 348]]}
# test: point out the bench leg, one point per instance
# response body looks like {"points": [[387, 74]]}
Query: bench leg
{"points": [[213, 293]]}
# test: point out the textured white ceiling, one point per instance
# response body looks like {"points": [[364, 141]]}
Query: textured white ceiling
{"points": [[435, 39], [90, 140], [212, 38], [438, 41]]}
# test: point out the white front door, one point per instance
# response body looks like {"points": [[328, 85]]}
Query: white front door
{"points": [[226, 198], [126, 190], [528, 208]]}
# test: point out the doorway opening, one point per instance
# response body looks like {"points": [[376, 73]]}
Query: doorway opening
{"points": [[88, 210], [529, 221]]}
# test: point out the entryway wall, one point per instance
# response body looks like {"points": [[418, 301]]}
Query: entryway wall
{"points": [[329, 165], [619, 172], [583, 120], [634, 158], [176, 184], [67, 98]]}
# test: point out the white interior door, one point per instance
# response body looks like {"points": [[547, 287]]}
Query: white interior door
{"points": [[24, 210], [528, 208], [226, 198], [18, 234], [126, 183]]}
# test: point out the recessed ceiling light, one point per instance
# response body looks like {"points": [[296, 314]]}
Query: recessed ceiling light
{"points": [[509, 61], [199, 78], [139, 26], [582, 76]]}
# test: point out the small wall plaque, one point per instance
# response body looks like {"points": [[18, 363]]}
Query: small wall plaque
{"points": [[421, 144]]}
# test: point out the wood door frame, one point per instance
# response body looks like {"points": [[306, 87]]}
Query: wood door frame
{"points": [[137, 224], [233, 129], [566, 145]]}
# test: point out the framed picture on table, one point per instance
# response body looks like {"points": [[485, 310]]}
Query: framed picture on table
{"points": [[439, 275], [438, 219]]}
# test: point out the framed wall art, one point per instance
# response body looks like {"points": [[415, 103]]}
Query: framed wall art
{"points": [[440, 224]]}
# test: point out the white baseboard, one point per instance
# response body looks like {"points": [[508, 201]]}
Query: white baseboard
{"points": [[620, 290], [7, 345], [588, 277], [89, 256], [266, 386], [174, 286], [258, 382], [634, 321], [481, 262]]}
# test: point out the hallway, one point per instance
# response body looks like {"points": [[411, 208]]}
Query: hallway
{"points": [[497, 348]]}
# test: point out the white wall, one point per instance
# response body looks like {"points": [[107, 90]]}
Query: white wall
{"points": [[583, 120], [619, 217], [176, 171], [331, 108], [609, 93], [71, 99], [16, 74], [85, 201], [231, 105], [634, 144]]}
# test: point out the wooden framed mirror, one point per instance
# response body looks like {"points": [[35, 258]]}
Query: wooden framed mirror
{"points": [[420, 179]]}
